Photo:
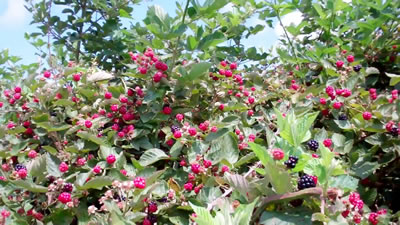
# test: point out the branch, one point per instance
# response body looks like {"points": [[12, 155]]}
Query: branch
{"points": [[287, 197]]}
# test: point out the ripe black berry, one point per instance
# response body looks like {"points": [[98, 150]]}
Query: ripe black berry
{"points": [[291, 162], [174, 128], [19, 167], [306, 181], [68, 187], [357, 68], [152, 218], [343, 117], [394, 132], [313, 144]]}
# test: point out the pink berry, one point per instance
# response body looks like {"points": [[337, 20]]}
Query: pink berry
{"points": [[182, 162], [224, 169], [228, 73], [322, 101], [250, 112], [1, 104], [207, 163], [96, 169], [76, 77], [123, 99], [170, 142], [278, 154], [139, 182], [22, 173], [339, 64], [223, 63], [192, 131], [221, 107], [373, 218], [350, 58], [179, 117], [111, 159], [114, 108], [63, 167], [167, 110], [88, 124], [32, 154], [121, 134], [233, 66], [188, 186], [5, 213], [157, 77], [47, 74], [337, 105], [17, 89], [123, 172], [195, 168], [251, 100], [327, 143], [214, 129], [367, 115], [64, 197], [177, 134], [108, 95]]}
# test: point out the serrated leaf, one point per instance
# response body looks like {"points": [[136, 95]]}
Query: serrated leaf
{"points": [[212, 136], [285, 218], [98, 183], [30, 186], [151, 156]]}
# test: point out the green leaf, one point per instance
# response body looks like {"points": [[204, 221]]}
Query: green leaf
{"points": [[225, 147], [204, 217], [239, 183], [211, 40], [52, 164], [261, 153], [176, 149], [64, 102], [41, 118], [394, 78], [30, 186], [97, 183], [124, 14], [93, 138], [212, 136], [244, 213], [50, 149], [198, 70], [344, 182], [50, 127], [37, 168], [151, 156], [285, 218]]}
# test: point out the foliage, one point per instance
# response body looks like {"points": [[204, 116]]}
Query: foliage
{"points": [[174, 120]]}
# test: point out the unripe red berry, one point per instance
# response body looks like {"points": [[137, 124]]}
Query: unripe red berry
{"points": [[195, 168], [233, 66], [76, 77], [64, 197], [63, 167], [278, 154], [139, 182], [188, 186], [108, 95], [88, 124], [111, 159], [167, 110], [17, 89], [177, 134], [32, 154], [339, 64], [47, 74], [367, 115], [179, 117], [22, 173], [350, 58], [96, 169], [337, 105], [327, 143]]}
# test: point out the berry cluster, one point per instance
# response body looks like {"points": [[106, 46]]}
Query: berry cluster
{"points": [[291, 162], [306, 181], [313, 144]]}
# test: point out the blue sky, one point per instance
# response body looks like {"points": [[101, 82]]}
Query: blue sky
{"points": [[15, 19]]}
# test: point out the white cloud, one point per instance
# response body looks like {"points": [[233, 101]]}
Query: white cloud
{"points": [[227, 8], [14, 15], [294, 18]]}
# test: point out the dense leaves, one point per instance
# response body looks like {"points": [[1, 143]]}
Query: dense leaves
{"points": [[176, 121]]}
